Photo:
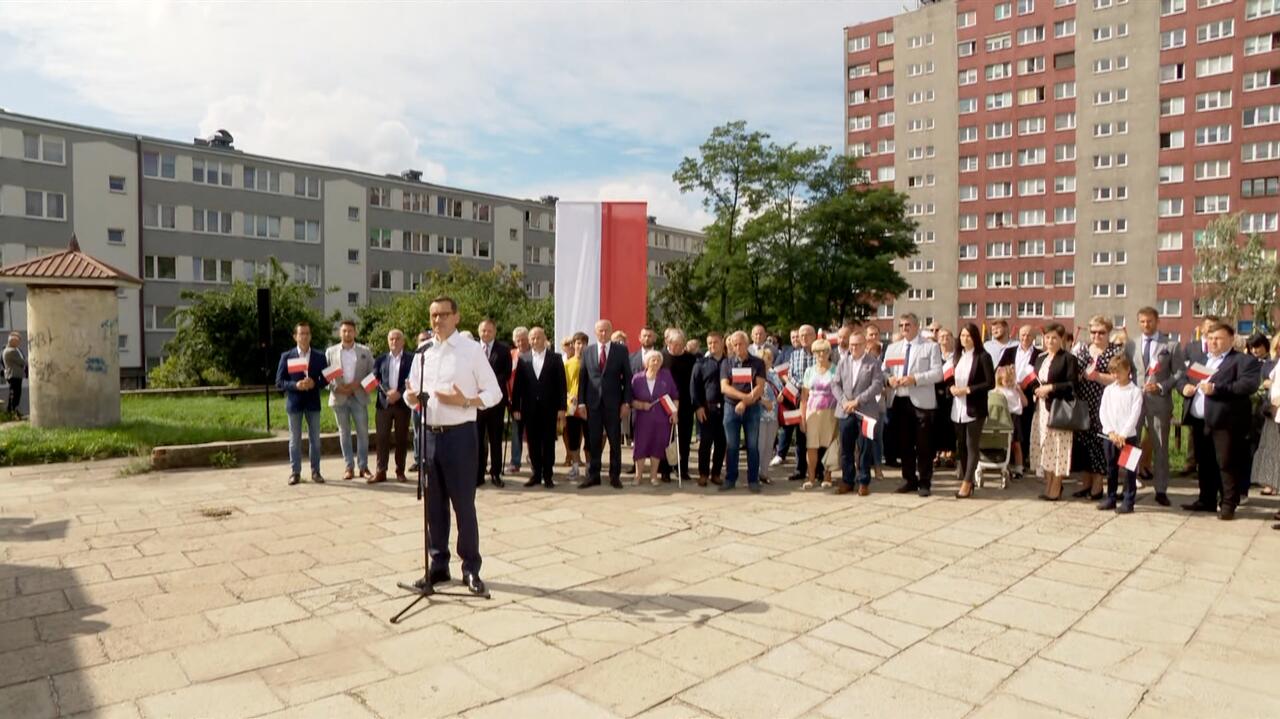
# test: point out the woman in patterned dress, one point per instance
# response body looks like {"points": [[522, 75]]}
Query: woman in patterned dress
{"points": [[1094, 358], [1051, 448]]}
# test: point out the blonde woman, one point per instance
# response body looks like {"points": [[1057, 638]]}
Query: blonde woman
{"points": [[818, 404]]}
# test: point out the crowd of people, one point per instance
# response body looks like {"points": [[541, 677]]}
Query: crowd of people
{"points": [[1045, 402]]}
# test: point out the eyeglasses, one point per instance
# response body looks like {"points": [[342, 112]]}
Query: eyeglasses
{"points": [[1097, 332]]}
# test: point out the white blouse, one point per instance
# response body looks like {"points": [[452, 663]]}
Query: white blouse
{"points": [[960, 405]]}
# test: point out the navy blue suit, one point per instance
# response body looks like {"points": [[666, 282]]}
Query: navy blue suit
{"points": [[296, 400], [391, 420]]}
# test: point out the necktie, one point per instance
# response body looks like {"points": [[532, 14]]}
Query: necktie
{"points": [[603, 350], [906, 360], [486, 350], [1146, 354]]}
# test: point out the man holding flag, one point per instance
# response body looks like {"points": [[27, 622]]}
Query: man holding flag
{"points": [[1157, 364], [350, 396], [300, 376], [858, 384]]}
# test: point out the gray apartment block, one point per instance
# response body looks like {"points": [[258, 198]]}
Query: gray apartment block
{"points": [[199, 215]]}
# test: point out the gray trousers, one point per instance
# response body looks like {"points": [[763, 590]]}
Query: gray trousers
{"points": [[1155, 427]]}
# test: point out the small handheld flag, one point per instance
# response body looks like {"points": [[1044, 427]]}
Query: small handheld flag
{"points": [[1153, 369], [332, 373], [949, 374], [1026, 378], [1129, 458], [893, 362], [783, 370], [791, 417], [370, 382], [741, 375], [668, 405], [790, 392], [1198, 372], [868, 426], [298, 365]]}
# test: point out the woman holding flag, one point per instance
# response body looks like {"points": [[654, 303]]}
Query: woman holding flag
{"points": [[818, 403], [1095, 359], [769, 414], [654, 398]]}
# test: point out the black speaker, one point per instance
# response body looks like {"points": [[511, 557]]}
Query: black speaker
{"points": [[264, 317]]}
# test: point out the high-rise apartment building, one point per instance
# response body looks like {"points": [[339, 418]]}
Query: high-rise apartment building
{"points": [[1063, 157], [200, 215]]}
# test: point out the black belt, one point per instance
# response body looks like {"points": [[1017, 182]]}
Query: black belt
{"points": [[446, 428]]}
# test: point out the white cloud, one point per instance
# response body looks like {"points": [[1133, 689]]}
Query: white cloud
{"points": [[664, 198], [470, 86]]}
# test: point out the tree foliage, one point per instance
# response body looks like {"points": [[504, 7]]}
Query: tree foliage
{"points": [[496, 293], [1234, 271], [217, 338], [797, 236]]}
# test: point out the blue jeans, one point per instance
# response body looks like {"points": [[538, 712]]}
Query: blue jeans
{"points": [[516, 431], [295, 440], [734, 426], [851, 436], [347, 413]]}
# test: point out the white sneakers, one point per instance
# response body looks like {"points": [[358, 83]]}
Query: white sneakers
{"points": [[776, 461]]}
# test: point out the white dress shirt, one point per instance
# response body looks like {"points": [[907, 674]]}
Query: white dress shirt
{"points": [[1197, 403], [455, 361], [960, 405], [538, 359], [1121, 409], [348, 358], [1022, 361], [393, 370]]}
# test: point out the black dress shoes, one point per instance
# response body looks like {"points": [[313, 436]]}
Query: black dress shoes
{"points": [[549, 483], [615, 482], [907, 488], [1162, 499], [532, 482], [475, 585], [315, 477], [436, 576], [294, 479], [1227, 513], [588, 483], [1198, 506], [497, 482]]}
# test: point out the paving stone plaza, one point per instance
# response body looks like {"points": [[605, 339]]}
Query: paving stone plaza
{"points": [[120, 597]]}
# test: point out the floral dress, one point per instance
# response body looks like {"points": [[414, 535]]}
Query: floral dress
{"points": [[1089, 454], [1050, 448]]}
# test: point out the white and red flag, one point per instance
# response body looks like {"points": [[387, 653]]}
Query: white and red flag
{"points": [[332, 373], [740, 375], [602, 267], [792, 417], [1197, 372], [783, 370], [867, 426], [790, 392], [1026, 378], [668, 404], [370, 382], [297, 365], [1129, 458]]}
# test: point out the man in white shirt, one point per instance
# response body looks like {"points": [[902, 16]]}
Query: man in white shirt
{"points": [[349, 399], [455, 380], [1000, 347], [912, 366]]}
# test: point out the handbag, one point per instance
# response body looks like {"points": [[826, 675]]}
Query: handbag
{"points": [[673, 449], [1069, 414]]}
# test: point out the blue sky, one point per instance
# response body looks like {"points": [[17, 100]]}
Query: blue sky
{"points": [[579, 100]]}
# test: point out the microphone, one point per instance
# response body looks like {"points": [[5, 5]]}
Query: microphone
{"points": [[424, 346]]}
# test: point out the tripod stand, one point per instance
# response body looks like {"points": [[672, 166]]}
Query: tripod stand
{"points": [[422, 588]]}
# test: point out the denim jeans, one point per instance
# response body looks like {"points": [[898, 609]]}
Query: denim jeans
{"points": [[735, 425], [295, 440], [865, 456], [516, 432], [347, 413]]}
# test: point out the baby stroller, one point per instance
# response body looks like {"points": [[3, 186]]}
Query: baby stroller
{"points": [[995, 447]]}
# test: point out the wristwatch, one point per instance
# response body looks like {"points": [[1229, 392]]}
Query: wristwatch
{"points": [[466, 403]]}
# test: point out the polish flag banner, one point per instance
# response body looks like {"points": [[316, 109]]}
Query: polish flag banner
{"points": [[1153, 369], [791, 417], [1026, 378], [1197, 372], [949, 374], [895, 361], [790, 392], [783, 370], [602, 267], [868, 426], [668, 404], [370, 382], [741, 375], [1129, 458], [332, 373], [298, 365]]}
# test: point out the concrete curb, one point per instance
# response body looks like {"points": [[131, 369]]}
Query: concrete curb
{"points": [[250, 450]]}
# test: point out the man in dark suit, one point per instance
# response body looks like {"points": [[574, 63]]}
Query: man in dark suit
{"points": [[1218, 410], [604, 395], [490, 421], [392, 415], [300, 375], [538, 400], [1026, 359], [1197, 350]]}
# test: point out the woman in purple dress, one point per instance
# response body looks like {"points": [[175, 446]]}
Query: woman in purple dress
{"points": [[650, 422]]}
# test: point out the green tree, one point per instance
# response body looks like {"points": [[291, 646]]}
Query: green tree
{"points": [[496, 293], [727, 173], [217, 338], [1235, 271], [777, 233], [681, 301]]}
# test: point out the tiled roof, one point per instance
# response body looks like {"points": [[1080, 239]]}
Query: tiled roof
{"points": [[70, 264]]}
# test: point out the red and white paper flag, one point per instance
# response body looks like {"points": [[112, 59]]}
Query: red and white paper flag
{"points": [[1026, 377], [668, 404], [783, 370], [1129, 458], [332, 373], [895, 361], [1151, 371], [1197, 372], [297, 365], [790, 392], [868, 427], [741, 375], [791, 417], [370, 382], [949, 374]]}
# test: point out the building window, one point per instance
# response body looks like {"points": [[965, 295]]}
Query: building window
{"points": [[159, 216], [353, 298], [353, 214], [1169, 308], [1169, 274], [211, 172], [968, 310], [43, 148], [1171, 106], [211, 270], [1031, 309], [380, 238], [1212, 204], [1064, 278], [483, 249], [1173, 72], [115, 183], [858, 44], [999, 310], [306, 230], [1064, 246], [48, 205], [380, 280], [159, 268], [262, 180], [353, 257], [265, 226], [1260, 187], [306, 186], [968, 252], [211, 221], [1064, 308]]}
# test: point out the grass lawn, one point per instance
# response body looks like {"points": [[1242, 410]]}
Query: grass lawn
{"points": [[148, 422]]}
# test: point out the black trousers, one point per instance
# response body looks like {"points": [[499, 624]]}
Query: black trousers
{"points": [[15, 395], [573, 430], [451, 483], [601, 424], [1026, 421], [711, 443], [392, 424], [489, 428], [540, 431], [1207, 474], [684, 437], [912, 430], [968, 438], [1231, 452], [1112, 453]]}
